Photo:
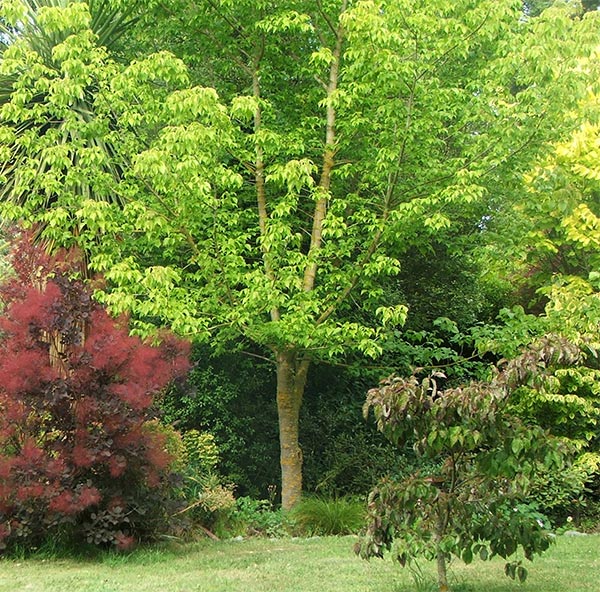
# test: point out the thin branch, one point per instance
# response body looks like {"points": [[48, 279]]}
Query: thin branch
{"points": [[443, 57], [330, 150], [393, 177], [354, 281], [326, 18], [235, 27], [264, 358], [184, 231], [208, 33], [259, 171]]}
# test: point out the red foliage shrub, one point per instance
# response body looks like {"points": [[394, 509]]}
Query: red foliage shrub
{"points": [[75, 392], [124, 542]]}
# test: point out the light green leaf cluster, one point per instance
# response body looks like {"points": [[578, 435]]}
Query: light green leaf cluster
{"points": [[136, 91], [13, 11], [66, 17], [53, 137], [243, 107], [418, 122], [394, 316], [294, 175], [323, 57], [284, 22]]}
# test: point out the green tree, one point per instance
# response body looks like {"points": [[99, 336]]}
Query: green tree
{"points": [[555, 237], [535, 7], [274, 215], [469, 497]]}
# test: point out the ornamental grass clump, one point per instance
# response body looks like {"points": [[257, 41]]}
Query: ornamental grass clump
{"points": [[329, 516]]}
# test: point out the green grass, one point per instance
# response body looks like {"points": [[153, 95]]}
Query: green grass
{"points": [[320, 564]]}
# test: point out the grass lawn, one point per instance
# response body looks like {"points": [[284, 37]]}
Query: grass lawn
{"points": [[313, 565]]}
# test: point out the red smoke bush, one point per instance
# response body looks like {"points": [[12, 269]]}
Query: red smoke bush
{"points": [[75, 393]]}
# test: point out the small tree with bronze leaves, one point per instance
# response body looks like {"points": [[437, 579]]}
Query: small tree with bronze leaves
{"points": [[471, 499]]}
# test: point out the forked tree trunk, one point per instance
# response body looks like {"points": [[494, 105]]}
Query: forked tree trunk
{"points": [[291, 369], [291, 381]]}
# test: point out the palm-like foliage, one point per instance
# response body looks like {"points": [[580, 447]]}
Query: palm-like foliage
{"points": [[56, 143], [56, 132], [108, 22]]}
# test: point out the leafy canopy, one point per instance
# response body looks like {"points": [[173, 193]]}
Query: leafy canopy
{"points": [[469, 497]]}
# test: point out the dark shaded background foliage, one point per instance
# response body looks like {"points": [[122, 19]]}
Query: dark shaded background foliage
{"points": [[230, 396]]}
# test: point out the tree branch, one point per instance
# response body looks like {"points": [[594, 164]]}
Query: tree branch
{"points": [[324, 185]]}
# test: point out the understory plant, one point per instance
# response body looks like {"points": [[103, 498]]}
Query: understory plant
{"points": [[257, 518], [206, 495], [479, 461], [329, 516], [78, 455]]}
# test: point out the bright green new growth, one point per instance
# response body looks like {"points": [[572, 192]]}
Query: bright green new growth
{"points": [[272, 213]]}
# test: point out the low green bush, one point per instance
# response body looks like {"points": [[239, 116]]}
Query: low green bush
{"points": [[570, 495], [251, 517]]}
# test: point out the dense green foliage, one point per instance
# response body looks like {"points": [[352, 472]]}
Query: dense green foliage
{"points": [[298, 185], [229, 396]]}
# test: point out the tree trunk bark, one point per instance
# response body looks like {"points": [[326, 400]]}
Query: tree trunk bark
{"points": [[320, 211], [291, 380], [442, 570]]}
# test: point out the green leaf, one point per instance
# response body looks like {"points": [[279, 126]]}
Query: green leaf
{"points": [[517, 446], [510, 570], [467, 555]]}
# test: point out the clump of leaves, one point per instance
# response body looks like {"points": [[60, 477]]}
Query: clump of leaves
{"points": [[257, 517], [76, 395], [482, 460]]}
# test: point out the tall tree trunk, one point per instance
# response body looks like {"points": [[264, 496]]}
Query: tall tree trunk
{"points": [[291, 381], [291, 370], [329, 152]]}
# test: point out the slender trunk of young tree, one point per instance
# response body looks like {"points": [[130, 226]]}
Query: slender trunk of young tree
{"points": [[442, 571], [292, 369], [291, 381], [320, 211]]}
